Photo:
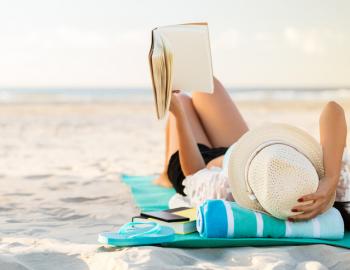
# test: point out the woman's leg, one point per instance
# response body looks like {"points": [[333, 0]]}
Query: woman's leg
{"points": [[163, 179], [220, 117], [171, 137]]}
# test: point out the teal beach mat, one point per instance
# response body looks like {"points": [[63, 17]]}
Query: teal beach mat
{"points": [[150, 197]]}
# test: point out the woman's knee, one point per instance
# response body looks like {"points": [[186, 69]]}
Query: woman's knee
{"points": [[186, 100], [183, 97], [334, 108]]}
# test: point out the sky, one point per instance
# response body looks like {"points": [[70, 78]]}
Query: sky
{"points": [[105, 43]]}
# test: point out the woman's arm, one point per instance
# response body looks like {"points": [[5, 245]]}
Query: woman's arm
{"points": [[333, 139], [191, 159], [333, 131]]}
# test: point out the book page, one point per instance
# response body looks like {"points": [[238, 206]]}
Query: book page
{"points": [[189, 213], [150, 54], [158, 60], [168, 53], [192, 64]]}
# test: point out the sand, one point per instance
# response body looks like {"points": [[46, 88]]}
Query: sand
{"points": [[59, 187]]}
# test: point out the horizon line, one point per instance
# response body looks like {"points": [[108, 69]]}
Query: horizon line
{"points": [[241, 87]]}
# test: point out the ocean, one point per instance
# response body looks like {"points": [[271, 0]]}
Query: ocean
{"points": [[87, 95]]}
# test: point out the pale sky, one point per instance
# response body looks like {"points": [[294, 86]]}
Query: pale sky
{"points": [[104, 43]]}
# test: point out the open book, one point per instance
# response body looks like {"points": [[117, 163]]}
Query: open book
{"points": [[180, 59]]}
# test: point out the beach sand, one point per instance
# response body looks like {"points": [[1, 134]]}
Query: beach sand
{"points": [[59, 187]]}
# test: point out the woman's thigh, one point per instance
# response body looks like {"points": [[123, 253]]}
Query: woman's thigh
{"points": [[195, 123], [220, 117]]}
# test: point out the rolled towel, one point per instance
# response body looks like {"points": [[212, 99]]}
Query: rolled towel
{"points": [[224, 219]]}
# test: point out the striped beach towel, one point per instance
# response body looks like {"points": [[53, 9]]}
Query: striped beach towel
{"points": [[224, 219]]}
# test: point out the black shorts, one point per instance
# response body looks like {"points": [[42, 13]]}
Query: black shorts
{"points": [[175, 172]]}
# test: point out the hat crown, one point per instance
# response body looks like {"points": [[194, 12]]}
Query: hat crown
{"points": [[278, 175], [250, 147]]}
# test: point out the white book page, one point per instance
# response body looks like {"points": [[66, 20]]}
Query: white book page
{"points": [[192, 63]]}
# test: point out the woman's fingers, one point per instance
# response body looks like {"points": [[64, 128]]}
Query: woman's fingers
{"points": [[318, 202], [309, 211], [305, 208], [304, 216], [309, 197]]}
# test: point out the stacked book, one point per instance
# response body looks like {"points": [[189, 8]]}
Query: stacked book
{"points": [[182, 219]]}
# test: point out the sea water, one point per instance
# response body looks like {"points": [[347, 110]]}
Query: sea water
{"points": [[87, 95]]}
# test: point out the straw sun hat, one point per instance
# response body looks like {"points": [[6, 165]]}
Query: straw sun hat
{"points": [[271, 167]]}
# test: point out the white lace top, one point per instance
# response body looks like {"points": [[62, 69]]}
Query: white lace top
{"points": [[213, 183]]}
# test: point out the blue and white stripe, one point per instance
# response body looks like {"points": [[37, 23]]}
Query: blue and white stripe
{"points": [[224, 219]]}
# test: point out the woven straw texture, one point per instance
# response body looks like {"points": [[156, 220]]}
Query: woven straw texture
{"points": [[275, 191]]}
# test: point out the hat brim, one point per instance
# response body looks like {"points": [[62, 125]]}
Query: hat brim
{"points": [[248, 144]]}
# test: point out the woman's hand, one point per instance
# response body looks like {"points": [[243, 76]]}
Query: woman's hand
{"points": [[318, 201]]}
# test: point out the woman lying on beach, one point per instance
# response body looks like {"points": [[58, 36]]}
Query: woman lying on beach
{"points": [[201, 129]]}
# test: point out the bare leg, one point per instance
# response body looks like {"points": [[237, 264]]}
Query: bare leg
{"points": [[172, 140], [163, 179], [221, 119]]}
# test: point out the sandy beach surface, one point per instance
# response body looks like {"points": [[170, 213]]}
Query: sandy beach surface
{"points": [[59, 187]]}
